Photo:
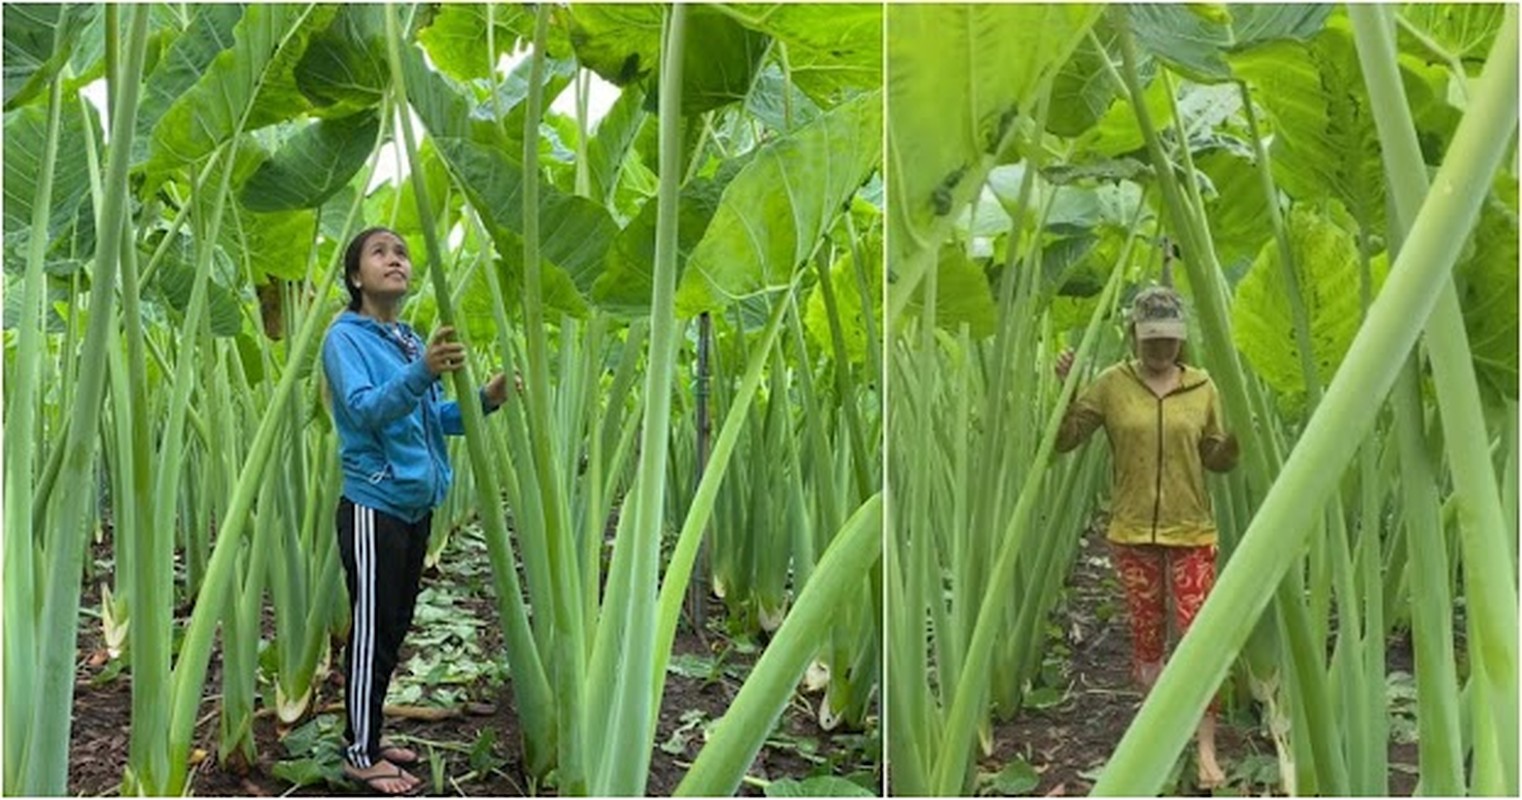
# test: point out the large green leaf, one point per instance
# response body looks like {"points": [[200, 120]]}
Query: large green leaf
{"points": [[249, 86], [574, 232], [456, 37], [1069, 271], [622, 43], [1117, 130], [962, 294], [773, 214], [948, 111], [619, 42], [312, 165], [1084, 89], [175, 279], [1325, 140], [1194, 44], [625, 286], [1075, 207], [1464, 30], [210, 32], [508, 106], [848, 302], [1487, 282], [1326, 264], [719, 62], [397, 206], [343, 68], [833, 49], [611, 142], [779, 104], [258, 244], [25, 136], [277, 244], [37, 42], [1238, 212], [87, 62]]}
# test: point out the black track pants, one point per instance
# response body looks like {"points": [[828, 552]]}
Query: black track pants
{"points": [[383, 563]]}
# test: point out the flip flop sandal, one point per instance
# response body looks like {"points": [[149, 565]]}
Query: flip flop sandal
{"points": [[398, 754], [372, 782]]}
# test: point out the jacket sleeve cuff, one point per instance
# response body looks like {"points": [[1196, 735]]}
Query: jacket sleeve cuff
{"points": [[486, 404]]}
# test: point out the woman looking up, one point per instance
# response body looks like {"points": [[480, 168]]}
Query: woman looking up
{"points": [[391, 417]]}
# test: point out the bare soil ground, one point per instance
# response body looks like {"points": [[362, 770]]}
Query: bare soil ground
{"points": [[706, 674], [1068, 743]]}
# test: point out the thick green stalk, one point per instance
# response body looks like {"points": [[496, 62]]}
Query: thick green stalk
{"points": [[1376, 759], [153, 548], [190, 668], [908, 700], [530, 684], [1205, 276], [739, 734], [971, 695], [845, 387], [700, 511], [986, 512], [22, 404], [627, 766], [870, 322], [1203, 273], [569, 662], [520, 482], [293, 688], [1489, 581], [1166, 720], [47, 765], [831, 506]]}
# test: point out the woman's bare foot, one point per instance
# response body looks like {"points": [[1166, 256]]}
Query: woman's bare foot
{"points": [[1146, 674], [1210, 775]]}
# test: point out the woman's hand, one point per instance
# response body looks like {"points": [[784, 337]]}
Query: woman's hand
{"points": [[1064, 365], [443, 354], [1220, 453], [496, 388]]}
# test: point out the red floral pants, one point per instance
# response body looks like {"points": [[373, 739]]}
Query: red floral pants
{"points": [[1150, 573]]}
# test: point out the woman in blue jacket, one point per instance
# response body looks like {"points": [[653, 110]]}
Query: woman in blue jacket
{"points": [[391, 417]]}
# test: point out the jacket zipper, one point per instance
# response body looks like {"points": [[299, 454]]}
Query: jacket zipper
{"points": [[433, 464], [1157, 496]]}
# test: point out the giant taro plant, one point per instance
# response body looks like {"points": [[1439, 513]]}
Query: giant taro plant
{"points": [[174, 281]]}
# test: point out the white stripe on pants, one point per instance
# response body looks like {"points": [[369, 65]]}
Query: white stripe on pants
{"points": [[364, 636]]}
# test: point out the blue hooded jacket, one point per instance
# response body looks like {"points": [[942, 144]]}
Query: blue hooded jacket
{"points": [[391, 417]]}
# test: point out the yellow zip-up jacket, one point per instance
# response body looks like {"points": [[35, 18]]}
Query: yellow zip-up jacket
{"points": [[1161, 447]]}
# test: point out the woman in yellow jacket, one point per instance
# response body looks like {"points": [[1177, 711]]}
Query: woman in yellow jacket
{"points": [[1163, 420]]}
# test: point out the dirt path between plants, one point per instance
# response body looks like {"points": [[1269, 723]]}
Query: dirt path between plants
{"points": [[1067, 744]]}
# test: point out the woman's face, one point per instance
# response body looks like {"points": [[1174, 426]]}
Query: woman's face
{"points": [[385, 271], [1159, 354]]}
